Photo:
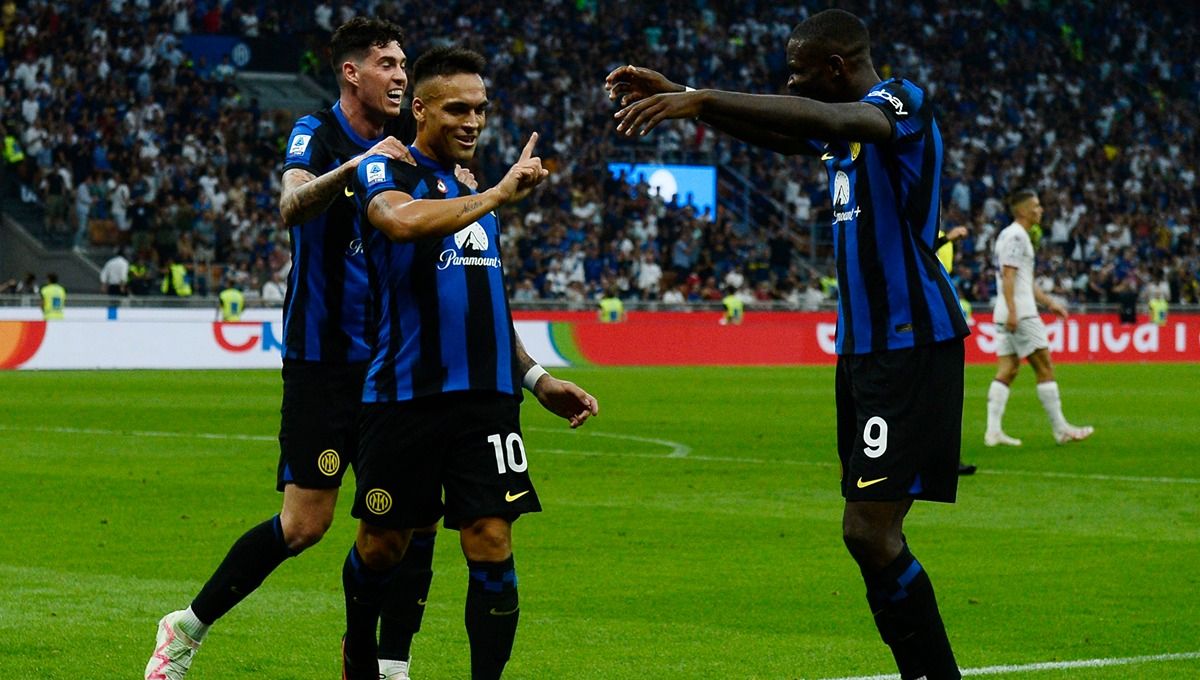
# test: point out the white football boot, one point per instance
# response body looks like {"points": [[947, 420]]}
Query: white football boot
{"points": [[173, 650], [390, 669], [998, 437], [1071, 433]]}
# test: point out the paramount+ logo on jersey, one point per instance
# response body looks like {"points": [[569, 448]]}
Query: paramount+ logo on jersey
{"points": [[468, 241]]}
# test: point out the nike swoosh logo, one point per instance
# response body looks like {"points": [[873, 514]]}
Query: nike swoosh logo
{"points": [[349, 193], [420, 602], [514, 610], [863, 485], [510, 496], [827, 157]]}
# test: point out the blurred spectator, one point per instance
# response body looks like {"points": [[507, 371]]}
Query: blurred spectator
{"points": [[114, 277]]}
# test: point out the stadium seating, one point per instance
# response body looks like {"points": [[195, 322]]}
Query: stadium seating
{"points": [[1095, 109]]}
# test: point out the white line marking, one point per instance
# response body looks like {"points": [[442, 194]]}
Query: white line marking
{"points": [[678, 451], [142, 433], [1050, 666]]}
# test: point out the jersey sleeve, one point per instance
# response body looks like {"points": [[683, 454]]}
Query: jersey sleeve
{"points": [[377, 174], [305, 150], [901, 102], [1010, 251]]}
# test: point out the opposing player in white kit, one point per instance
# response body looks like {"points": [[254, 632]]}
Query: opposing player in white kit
{"points": [[1020, 333]]}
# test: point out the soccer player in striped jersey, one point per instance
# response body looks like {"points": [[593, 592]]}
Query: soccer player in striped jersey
{"points": [[440, 433], [900, 331], [325, 350]]}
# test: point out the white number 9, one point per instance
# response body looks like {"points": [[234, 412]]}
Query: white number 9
{"points": [[875, 437]]}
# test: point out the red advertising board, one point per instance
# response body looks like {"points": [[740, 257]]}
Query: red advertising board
{"points": [[787, 338]]}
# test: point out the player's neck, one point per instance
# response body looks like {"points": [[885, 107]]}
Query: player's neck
{"points": [[1025, 224], [360, 119], [429, 152]]}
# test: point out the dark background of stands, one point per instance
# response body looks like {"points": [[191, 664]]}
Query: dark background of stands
{"points": [[174, 115]]}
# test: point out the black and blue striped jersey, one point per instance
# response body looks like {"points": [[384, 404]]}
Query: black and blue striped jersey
{"points": [[440, 316], [893, 292], [325, 309]]}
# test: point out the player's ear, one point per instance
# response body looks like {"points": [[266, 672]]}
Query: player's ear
{"points": [[418, 109], [837, 65], [350, 72]]}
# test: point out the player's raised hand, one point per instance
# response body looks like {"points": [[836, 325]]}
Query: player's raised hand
{"points": [[466, 176], [566, 400], [388, 146], [524, 175], [643, 116], [634, 83]]}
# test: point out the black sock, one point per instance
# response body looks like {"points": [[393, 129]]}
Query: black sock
{"points": [[491, 615], [251, 559], [906, 614], [364, 588], [404, 600]]}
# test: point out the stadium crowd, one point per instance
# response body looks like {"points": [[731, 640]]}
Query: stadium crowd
{"points": [[123, 138]]}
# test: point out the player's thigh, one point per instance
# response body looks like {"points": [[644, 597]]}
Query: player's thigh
{"points": [[487, 470], [399, 467], [906, 410], [318, 429], [1030, 336]]}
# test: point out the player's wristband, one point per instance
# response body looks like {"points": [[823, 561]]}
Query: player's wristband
{"points": [[532, 376], [687, 88]]}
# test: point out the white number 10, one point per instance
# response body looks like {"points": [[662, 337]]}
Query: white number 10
{"points": [[516, 451], [874, 436]]}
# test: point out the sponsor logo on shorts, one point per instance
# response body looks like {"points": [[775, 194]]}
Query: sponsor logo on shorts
{"points": [[510, 496], [329, 462], [379, 501], [863, 485], [349, 192]]}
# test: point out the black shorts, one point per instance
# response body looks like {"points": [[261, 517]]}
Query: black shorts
{"points": [[466, 444], [318, 431], [900, 423]]}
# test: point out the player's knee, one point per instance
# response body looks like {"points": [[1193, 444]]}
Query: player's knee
{"points": [[487, 540], [868, 544], [382, 550], [304, 532]]}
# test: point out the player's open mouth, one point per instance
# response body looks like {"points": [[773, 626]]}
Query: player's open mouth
{"points": [[467, 140], [396, 95]]}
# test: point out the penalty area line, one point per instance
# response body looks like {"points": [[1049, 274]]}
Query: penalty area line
{"points": [[1049, 666]]}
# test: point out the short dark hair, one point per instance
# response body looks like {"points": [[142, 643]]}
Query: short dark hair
{"points": [[837, 32], [356, 37], [1020, 196], [447, 60], [52, 277]]}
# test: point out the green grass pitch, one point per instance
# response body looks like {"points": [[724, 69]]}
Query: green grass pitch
{"points": [[692, 531]]}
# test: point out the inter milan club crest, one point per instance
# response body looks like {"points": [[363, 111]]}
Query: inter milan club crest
{"points": [[441, 186]]}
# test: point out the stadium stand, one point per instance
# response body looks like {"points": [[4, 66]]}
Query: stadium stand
{"points": [[115, 135]]}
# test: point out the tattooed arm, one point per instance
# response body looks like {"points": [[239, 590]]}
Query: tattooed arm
{"points": [[403, 218], [305, 195]]}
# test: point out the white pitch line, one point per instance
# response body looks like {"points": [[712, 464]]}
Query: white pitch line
{"points": [[142, 433], [678, 452], [1050, 666]]}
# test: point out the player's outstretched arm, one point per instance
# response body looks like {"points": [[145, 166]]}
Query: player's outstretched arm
{"points": [[403, 218], [629, 84], [563, 398], [305, 195], [761, 116]]}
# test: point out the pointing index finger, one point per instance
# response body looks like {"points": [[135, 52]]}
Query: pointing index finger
{"points": [[527, 152]]}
